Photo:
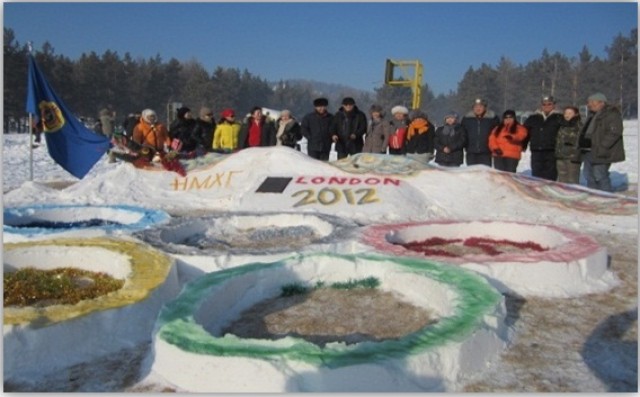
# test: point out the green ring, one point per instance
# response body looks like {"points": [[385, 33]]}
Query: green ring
{"points": [[177, 326]]}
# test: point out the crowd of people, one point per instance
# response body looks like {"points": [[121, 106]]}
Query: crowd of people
{"points": [[561, 144]]}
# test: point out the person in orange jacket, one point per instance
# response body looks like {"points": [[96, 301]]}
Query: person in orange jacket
{"points": [[151, 134], [505, 142]]}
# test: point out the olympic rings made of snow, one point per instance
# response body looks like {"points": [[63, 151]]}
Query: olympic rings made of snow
{"points": [[76, 219], [249, 233], [573, 264], [190, 352], [41, 340]]}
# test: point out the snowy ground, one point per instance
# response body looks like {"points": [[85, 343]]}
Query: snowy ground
{"points": [[586, 343]]}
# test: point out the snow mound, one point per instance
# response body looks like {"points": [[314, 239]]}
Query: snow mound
{"points": [[64, 335], [207, 243], [366, 188], [469, 334], [238, 233], [570, 265], [90, 220]]}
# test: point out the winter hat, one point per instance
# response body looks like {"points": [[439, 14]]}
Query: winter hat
{"points": [[348, 101], [205, 111], [451, 113], [182, 111], [598, 97], [418, 114], [376, 108], [320, 102], [480, 101], [285, 111], [399, 109], [509, 113], [147, 113], [228, 113], [548, 98]]}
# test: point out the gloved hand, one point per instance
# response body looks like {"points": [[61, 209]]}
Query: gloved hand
{"points": [[498, 152]]}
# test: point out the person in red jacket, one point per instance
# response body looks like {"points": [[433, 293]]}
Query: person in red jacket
{"points": [[505, 142]]}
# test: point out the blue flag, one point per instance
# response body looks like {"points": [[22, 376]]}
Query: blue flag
{"points": [[73, 146]]}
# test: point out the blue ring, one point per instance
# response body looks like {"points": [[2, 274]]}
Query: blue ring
{"points": [[149, 217]]}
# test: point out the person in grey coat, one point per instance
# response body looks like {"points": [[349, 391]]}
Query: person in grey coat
{"points": [[601, 142], [450, 141], [377, 136], [107, 119]]}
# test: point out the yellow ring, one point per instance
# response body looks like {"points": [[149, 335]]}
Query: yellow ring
{"points": [[149, 269]]}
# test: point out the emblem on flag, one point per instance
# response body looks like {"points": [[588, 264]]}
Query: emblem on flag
{"points": [[52, 119]]}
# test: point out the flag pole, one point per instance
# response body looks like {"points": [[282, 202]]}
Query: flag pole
{"points": [[30, 147], [30, 48]]}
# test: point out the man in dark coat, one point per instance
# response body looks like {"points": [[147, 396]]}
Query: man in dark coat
{"points": [[543, 129], [601, 142], [257, 131], [316, 128], [450, 141], [349, 127], [130, 122], [181, 131], [203, 131], [478, 124]]}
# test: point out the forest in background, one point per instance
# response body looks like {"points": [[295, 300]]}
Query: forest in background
{"points": [[129, 84]]}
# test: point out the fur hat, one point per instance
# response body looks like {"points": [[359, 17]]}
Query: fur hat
{"points": [[399, 109], [598, 96], [451, 113], [228, 113], [348, 101], [182, 111], [147, 113], [320, 102], [418, 114]]}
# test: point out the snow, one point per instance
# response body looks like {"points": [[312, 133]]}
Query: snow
{"points": [[572, 264], [439, 365], [66, 335], [334, 202]]}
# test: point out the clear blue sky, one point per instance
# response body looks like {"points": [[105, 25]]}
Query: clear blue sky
{"points": [[344, 43]]}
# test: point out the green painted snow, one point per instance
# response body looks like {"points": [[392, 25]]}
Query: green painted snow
{"points": [[476, 298]]}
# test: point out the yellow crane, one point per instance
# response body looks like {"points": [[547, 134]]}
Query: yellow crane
{"points": [[415, 82]]}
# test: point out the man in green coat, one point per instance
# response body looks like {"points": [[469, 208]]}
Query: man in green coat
{"points": [[601, 142]]}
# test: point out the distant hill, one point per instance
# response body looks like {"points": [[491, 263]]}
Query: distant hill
{"points": [[321, 88]]}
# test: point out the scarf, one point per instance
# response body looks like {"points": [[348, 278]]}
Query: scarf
{"points": [[419, 126], [449, 130], [281, 127], [398, 123]]}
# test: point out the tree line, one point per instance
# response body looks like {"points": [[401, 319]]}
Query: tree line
{"points": [[129, 84]]}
